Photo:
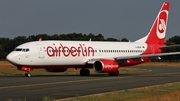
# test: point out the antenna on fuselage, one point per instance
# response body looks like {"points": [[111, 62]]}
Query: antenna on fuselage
{"points": [[90, 39]]}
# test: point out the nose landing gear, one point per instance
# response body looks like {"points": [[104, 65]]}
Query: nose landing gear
{"points": [[27, 69], [28, 74]]}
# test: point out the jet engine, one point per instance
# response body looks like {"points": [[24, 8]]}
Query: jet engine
{"points": [[105, 66], [56, 69]]}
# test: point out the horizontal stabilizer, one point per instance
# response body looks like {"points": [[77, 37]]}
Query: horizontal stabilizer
{"points": [[170, 46]]}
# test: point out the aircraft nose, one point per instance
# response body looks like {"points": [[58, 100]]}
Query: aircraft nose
{"points": [[12, 57], [8, 57]]}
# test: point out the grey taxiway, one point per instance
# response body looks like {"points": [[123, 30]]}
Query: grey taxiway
{"points": [[65, 86]]}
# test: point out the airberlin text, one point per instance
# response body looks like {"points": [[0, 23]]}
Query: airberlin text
{"points": [[79, 50]]}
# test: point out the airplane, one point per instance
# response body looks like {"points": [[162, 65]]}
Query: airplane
{"points": [[103, 57]]}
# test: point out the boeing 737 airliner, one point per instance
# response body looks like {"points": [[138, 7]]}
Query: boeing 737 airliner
{"points": [[103, 57]]}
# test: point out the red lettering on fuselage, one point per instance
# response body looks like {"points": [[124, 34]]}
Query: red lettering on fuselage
{"points": [[80, 50]]}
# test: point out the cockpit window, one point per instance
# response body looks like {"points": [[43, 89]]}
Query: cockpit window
{"points": [[18, 49], [27, 49], [22, 49]]}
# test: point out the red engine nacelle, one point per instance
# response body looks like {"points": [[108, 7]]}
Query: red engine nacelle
{"points": [[105, 66], [56, 69]]}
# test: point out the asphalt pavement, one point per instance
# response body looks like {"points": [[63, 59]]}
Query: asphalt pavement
{"points": [[37, 87]]}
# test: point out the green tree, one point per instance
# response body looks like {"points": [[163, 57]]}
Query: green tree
{"points": [[124, 40]]}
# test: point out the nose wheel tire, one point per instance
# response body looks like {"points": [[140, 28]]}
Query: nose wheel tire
{"points": [[28, 74]]}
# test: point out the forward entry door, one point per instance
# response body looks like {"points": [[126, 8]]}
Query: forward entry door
{"points": [[41, 51]]}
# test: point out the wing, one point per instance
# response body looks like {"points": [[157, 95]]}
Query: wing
{"points": [[147, 55], [137, 57]]}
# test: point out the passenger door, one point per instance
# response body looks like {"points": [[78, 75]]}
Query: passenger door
{"points": [[41, 51]]}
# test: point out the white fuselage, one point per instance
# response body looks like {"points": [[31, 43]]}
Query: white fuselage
{"points": [[44, 53]]}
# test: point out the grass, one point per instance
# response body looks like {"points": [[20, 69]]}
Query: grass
{"points": [[160, 64]]}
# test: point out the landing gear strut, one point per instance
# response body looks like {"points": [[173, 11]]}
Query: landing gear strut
{"points": [[28, 74], [84, 72], [116, 73], [27, 69]]}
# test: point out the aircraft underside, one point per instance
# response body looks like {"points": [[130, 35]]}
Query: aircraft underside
{"points": [[103, 66]]}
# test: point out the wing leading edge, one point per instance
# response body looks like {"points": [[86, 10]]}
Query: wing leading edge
{"points": [[125, 58]]}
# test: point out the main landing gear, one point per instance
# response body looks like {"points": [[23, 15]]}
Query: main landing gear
{"points": [[84, 72], [116, 73]]}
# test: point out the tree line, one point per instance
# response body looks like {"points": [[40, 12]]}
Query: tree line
{"points": [[7, 45]]}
